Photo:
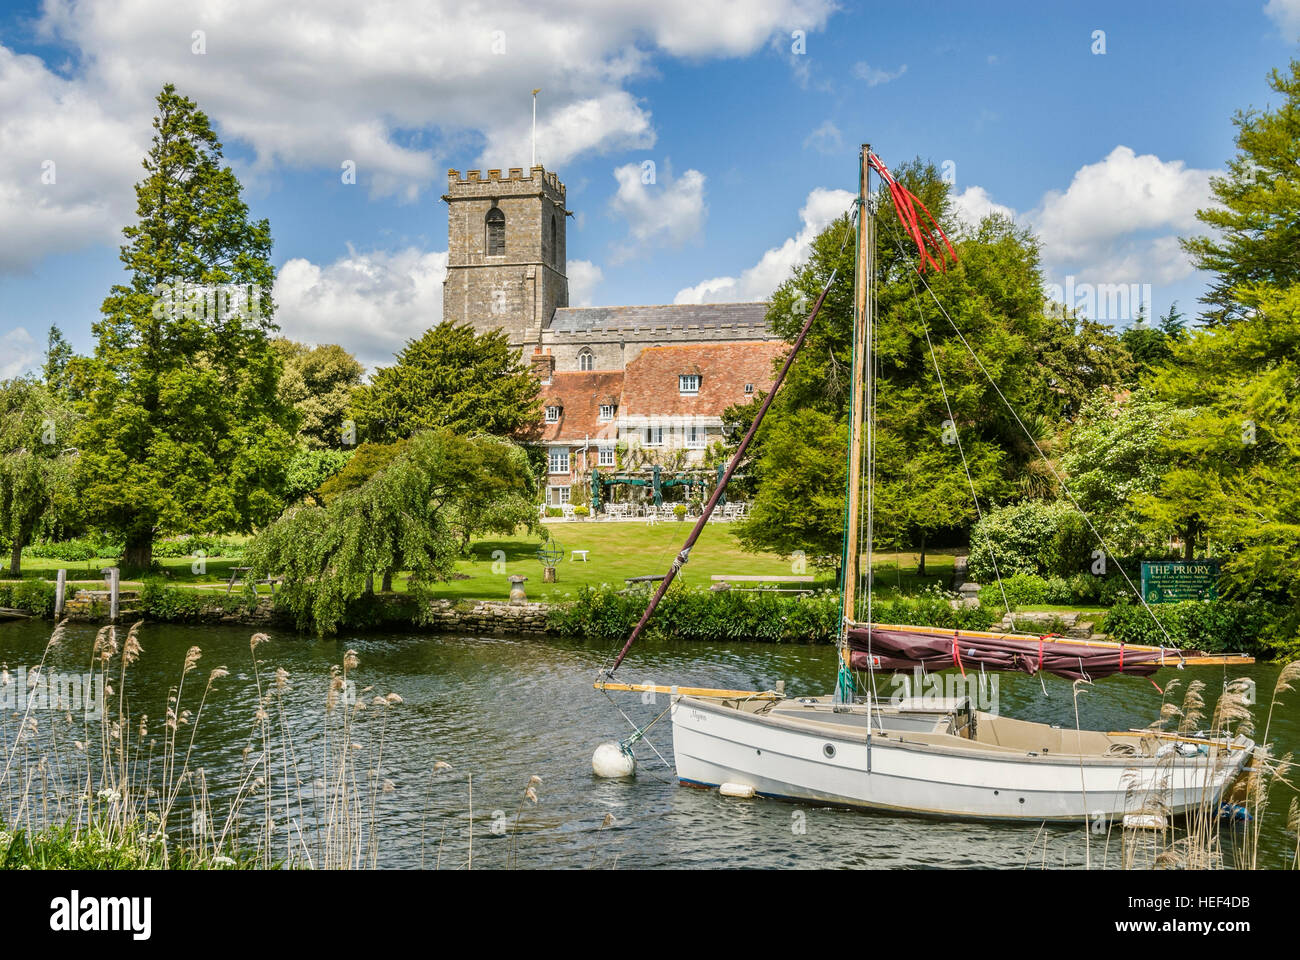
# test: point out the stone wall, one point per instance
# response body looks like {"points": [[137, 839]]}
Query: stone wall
{"points": [[488, 616]]}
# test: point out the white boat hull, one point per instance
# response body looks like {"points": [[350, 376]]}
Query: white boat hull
{"points": [[898, 770]]}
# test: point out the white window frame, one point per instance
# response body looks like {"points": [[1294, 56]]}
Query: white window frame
{"points": [[654, 436], [749, 389], [695, 436], [557, 460], [552, 414], [605, 457], [603, 416], [688, 383]]}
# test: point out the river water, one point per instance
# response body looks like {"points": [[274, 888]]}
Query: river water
{"points": [[500, 710]]}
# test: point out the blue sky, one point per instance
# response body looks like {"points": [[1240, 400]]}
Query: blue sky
{"points": [[1106, 155]]}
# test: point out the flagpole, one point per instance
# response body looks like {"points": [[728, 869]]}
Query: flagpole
{"points": [[535, 93]]}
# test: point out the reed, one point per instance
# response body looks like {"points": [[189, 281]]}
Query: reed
{"points": [[112, 794]]}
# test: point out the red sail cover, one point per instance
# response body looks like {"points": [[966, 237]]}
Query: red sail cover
{"points": [[939, 649]]}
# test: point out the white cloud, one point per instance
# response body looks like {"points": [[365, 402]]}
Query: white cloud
{"points": [[825, 139], [875, 75], [776, 265], [669, 210], [370, 303], [403, 88], [1121, 195], [974, 204], [1286, 14], [584, 277], [1118, 222], [68, 165], [18, 353]]}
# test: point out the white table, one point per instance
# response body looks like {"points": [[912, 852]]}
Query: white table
{"points": [[575, 555]]}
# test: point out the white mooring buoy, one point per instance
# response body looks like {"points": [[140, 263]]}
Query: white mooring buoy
{"points": [[612, 762]]}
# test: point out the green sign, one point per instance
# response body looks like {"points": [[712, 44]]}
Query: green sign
{"points": [[1169, 582]]}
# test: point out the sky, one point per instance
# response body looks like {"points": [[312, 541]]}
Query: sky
{"points": [[1097, 124]]}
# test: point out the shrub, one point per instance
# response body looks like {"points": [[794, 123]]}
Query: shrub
{"points": [[1021, 538], [690, 613], [34, 596], [554, 512], [1022, 589], [679, 511], [581, 511], [1058, 590], [78, 550], [1214, 626]]}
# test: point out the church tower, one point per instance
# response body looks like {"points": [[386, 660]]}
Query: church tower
{"points": [[506, 252]]}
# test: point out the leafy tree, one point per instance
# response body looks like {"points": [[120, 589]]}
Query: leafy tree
{"points": [[369, 459], [1257, 210], [183, 427], [36, 475], [1237, 452], [309, 469], [318, 383], [994, 295], [1118, 453], [449, 377], [416, 514], [1084, 357], [1150, 346], [58, 357]]}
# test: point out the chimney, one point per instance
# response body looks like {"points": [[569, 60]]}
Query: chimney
{"points": [[543, 365]]}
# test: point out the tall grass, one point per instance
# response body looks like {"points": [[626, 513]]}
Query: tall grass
{"points": [[123, 792]]}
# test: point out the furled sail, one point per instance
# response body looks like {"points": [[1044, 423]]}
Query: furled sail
{"points": [[886, 647]]}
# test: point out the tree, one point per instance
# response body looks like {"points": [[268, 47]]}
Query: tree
{"points": [[58, 358], [35, 463], [183, 427], [318, 383], [1084, 357], [1118, 454], [1238, 449], [1151, 346], [416, 513], [449, 377], [1257, 209], [993, 294]]}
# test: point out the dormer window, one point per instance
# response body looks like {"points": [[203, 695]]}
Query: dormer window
{"points": [[749, 388], [606, 412], [688, 383], [495, 239], [552, 414]]}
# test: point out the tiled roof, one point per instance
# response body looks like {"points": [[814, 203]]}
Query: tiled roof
{"points": [[650, 385], [579, 395], [672, 316]]}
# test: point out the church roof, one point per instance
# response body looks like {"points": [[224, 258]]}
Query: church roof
{"points": [[751, 317]]}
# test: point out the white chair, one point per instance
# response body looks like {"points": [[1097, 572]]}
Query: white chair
{"points": [[566, 509]]}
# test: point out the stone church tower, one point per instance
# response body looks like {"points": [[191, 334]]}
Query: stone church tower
{"points": [[506, 252]]}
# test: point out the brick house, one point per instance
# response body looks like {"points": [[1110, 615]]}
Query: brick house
{"points": [[668, 398]]}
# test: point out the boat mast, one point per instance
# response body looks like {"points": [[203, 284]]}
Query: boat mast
{"points": [[857, 417]]}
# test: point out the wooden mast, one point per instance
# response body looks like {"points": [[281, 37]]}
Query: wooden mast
{"points": [[857, 416]]}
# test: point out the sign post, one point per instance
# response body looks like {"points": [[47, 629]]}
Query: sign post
{"points": [[1171, 581]]}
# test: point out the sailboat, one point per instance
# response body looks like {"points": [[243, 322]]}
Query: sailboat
{"points": [[925, 755]]}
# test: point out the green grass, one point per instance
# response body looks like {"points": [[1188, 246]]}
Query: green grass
{"points": [[615, 551]]}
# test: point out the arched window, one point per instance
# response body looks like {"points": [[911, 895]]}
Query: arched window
{"points": [[496, 233], [586, 361], [555, 249]]}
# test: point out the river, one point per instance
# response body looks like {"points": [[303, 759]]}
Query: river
{"points": [[501, 710]]}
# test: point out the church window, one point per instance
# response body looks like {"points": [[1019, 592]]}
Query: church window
{"points": [[555, 249], [496, 233], [586, 360]]}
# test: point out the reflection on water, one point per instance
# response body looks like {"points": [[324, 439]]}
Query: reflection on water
{"points": [[503, 709]]}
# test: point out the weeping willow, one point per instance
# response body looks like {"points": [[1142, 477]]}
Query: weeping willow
{"points": [[417, 514]]}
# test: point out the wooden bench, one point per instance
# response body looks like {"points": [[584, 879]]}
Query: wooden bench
{"points": [[725, 581]]}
